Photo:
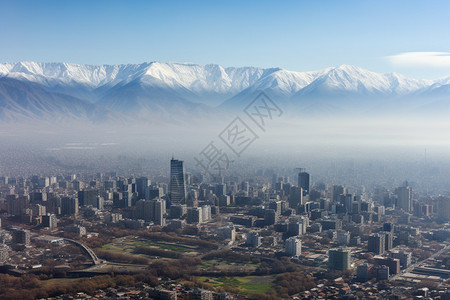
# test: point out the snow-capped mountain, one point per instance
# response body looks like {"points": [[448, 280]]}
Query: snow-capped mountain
{"points": [[57, 90]]}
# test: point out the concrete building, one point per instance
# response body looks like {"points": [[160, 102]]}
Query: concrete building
{"points": [[206, 213], [50, 221], [158, 293], [404, 198], [331, 224], [293, 246], [99, 203], [38, 210], [403, 256], [69, 206], [253, 239], [339, 259], [392, 263], [87, 197], [362, 272], [152, 210], [20, 236], [141, 187], [75, 228], [343, 237], [376, 243], [227, 232], [383, 273], [388, 240], [178, 211], [194, 215], [444, 208], [199, 294], [17, 204]]}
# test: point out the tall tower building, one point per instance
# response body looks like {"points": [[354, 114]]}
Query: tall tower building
{"points": [[339, 259], [336, 191], [69, 206], [293, 246], [377, 243], [141, 187], [303, 182], [444, 208], [295, 197], [177, 184], [404, 198]]}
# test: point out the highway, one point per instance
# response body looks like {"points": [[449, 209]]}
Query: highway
{"points": [[91, 253]]}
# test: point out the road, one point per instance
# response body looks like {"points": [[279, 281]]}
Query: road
{"points": [[91, 253]]}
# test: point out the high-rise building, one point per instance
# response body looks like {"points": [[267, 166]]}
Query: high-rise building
{"points": [[388, 227], [194, 215], [362, 272], [444, 208], [153, 192], [339, 259], [221, 189], [87, 197], [99, 203], [392, 263], [383, 273], [253, 239], [303, 182], [206, 213], [388, 240], [293, 246], [177, 185], [227, 232], [403, 256], [178, 211], [152, 210], [377, 243], [50, 221], [295, 197], [141, 187], [343, 237], [38, 210], [404, 198], [336, 191], [294, 228], [16, 204], [20, 236]]}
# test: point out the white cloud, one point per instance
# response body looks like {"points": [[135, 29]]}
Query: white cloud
{"points": [[421, 59]]}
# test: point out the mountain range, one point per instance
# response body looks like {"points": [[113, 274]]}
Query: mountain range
{"points": [[167, 91]]}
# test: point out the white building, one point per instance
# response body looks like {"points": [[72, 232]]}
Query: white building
{"points": [[343, 237], [293, 246]]}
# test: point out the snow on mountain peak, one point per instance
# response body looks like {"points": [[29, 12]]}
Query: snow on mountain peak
{"points": [[213, 81]]}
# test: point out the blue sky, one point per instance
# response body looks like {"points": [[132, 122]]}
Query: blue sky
{"points": [[409, 37]]}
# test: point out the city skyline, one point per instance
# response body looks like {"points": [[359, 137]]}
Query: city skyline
{"points": [[224, 150]]}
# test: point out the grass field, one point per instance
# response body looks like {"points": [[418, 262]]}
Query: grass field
{"points": [[248, 285], [128, 246], [162, 245], [221, 264], [59, 281]]}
